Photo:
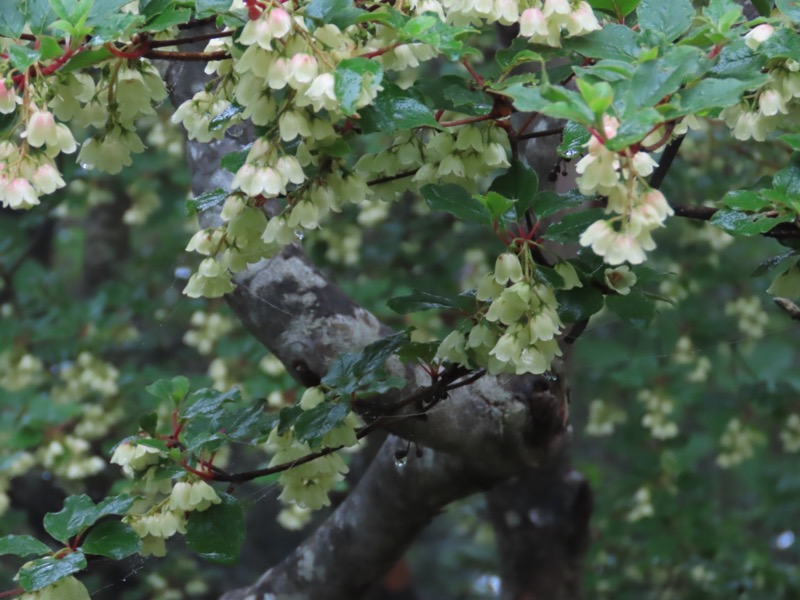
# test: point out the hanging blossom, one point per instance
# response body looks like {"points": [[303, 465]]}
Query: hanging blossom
{"points": [[546, 22], [639, 209], [517, 332]]}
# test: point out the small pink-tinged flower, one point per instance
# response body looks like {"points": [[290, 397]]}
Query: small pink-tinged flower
{"points": [[41, 129], [303, 68], [18, 193], [47, 179], [8, 98], [280, 22], [758, 35], [582, 20], [533, 22]]}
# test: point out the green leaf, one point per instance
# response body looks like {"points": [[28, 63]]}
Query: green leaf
{"points": [[222, 120], [171, 390], [315, 423], [743, 224], [22, 545], [12, 21], [148, 422], [207, 401], [418, 301], [287, 417], [783, 43], [792, 139], [49, 48], [341, 13], [519, 183], [395, 109], [518, 52], [547, 202], [169, 18], [573, 139], [764, 7], [38, 15], [618, 8], [498, 206], [350, 76], [216, 6], [656, 79], [578, 304], [152, 8], [114, 539], [114, 505], [456, 200], [251, 425], [769, 264], [22, 57], [738, 61], [636, 309], [217, 533], [233, 161], [791, 8], [46, 571], [417, 26], [613, 41], [668, 18], [565, 104], [103, 10], [86, 59], [360, 372], [744, 200], [717, 93], [635, 127], [570, 227], [78, 513], [448, 39], [206, 201], [468, 101]]}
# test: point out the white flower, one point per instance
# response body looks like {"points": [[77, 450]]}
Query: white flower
{"points": [[8, 98], [569, 275], [18, 193], [41, 129], [621, 279], [582, 20], [756, 36], [507, 268], [312, 397]]}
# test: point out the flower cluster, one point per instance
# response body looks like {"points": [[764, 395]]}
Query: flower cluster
{"points": [[658, 410], [546, 22], [639, 209], [19, 372], [790, 434], [207, 328], [88, 374], [461, 155], [773, 105], [603, 418], [642, 505], [685, 354], [167, 517], [70, 457], [133, 456], [518, 329], [751, 317], [307, 485], [737, 444]]}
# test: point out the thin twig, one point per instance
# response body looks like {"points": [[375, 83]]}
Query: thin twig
{"points": [[542, 133]]}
